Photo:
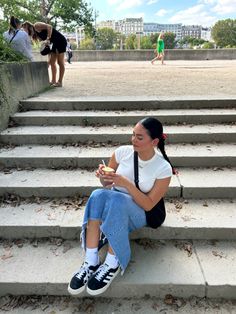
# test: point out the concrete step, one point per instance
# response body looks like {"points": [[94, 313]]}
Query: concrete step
{"points": [[178, 268], [57, 183], [122, 103], [147, 305], [192, 219], [78, 134], [42, 156], [85, 118], [195, 183], [208, 183]]}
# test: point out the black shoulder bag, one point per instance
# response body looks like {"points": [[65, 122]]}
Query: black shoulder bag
{"points": [[156, 216], [14, 36]]}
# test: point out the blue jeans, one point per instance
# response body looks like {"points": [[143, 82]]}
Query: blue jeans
{"points": [[119, 215]]}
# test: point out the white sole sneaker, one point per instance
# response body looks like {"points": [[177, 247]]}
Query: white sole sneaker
{"points": [[102, 290], [77, 291]]}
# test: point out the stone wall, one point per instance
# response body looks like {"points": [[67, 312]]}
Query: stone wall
{"points": [[146, 55], [19, 81]]}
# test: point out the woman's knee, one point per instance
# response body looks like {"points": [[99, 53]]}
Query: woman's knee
{"points": [[98, 193]]}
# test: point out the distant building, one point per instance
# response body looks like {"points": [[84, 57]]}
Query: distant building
{"points": [[206, 34], [152, 28], [108, 24], [126, 26], [193, 31], [130, 26]]}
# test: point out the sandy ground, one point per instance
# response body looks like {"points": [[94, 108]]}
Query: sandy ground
{"points": [[130, 78]]}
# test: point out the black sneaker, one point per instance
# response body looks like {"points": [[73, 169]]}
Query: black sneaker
{"points": [[102, 279], [80, 278]]}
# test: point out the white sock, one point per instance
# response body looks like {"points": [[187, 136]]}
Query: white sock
{"points": [[91, 256], [111, 260]]}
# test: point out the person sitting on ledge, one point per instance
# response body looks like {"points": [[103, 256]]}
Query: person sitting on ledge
{"points": [[135, 182], [18, 38]]}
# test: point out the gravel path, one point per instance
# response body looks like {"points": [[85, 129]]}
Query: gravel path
{"points": [[129, 78]]}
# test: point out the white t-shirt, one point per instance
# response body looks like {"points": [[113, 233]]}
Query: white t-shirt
{"points": [[149, 170], [21, 43]]}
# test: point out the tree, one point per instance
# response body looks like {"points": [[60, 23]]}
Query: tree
{"points": [[63, 14], [105, 38], [87, 44], [224, 33], [169, 40], [191, 41], [131, 42], [153, 38], [208, 45], [146, 42]]}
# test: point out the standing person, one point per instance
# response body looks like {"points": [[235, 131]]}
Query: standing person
{"points": [[123, 206], [68, 51], [160, 49], [19, 39], [50, 35]]}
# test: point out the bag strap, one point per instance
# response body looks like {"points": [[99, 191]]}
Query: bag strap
{"points": [[136, 179], [13, 36]]}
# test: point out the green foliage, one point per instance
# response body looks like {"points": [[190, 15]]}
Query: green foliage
{"points": [[73, 45], [146, 42], [7, 54], [208, 45], [131, 42], [63, 14], [105, 38], [120, 41], [153, 38], [192, 41], [224, 33], [87, 44], [169, 40]]}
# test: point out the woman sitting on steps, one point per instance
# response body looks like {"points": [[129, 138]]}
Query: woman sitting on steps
{"points": [[132, 198]]}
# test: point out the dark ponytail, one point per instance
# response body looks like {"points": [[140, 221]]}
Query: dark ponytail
{"points": [[14, 22], [155, 130]]}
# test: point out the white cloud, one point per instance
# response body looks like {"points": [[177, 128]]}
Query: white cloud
{"points": [[150, 2], [225, 7], [196, 15], [129, 4], [161, 12]]}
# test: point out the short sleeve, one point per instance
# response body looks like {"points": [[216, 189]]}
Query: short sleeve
{"points": [[122, 152], [165, 172]]}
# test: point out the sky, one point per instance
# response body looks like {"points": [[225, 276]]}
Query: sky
{"points": [[187, 12]]}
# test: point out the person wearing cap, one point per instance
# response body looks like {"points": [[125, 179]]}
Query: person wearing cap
{"points": [[18, 38]]}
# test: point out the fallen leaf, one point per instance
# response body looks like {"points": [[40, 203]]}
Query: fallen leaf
{"points": [[188, 247], [169, 299], [8, 254]]}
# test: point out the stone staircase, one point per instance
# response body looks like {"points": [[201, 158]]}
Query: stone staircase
{"points": [[47, 159]]}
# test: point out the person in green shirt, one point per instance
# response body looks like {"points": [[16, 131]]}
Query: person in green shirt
{"points": [[160, 49]]}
